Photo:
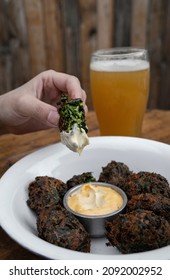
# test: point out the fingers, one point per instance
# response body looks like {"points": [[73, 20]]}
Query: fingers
{"points": [[84, 101], [64, 83], [47, 86], [38, 98], [29, 106]]}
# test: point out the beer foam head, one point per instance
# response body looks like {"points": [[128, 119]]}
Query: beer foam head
{"points": [[119, 65]]}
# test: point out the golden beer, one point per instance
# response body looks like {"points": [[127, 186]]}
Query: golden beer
{"points": [[120, 93]]}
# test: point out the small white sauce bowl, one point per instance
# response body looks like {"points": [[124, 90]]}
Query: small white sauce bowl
{"points": [[95, 224]]}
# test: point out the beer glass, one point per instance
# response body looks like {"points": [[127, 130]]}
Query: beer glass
{"points": [[119, 79]]}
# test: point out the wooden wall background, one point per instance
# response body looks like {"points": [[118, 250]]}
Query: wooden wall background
{"points": [[36, 35]]}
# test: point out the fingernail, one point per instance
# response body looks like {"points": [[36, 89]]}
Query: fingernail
{"points": [[53, 118]]}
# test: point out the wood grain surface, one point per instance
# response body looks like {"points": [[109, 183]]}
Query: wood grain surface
{"points": [[36, 35], [156, 126]]}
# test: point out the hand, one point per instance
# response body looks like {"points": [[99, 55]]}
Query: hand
{"points": [[32, 106]]}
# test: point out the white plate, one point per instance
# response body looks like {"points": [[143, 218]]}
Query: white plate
{"points": [[56, 160]]}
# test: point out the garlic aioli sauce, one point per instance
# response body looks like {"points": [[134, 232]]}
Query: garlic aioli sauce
{"points": [[75, 140], [95, 200]]}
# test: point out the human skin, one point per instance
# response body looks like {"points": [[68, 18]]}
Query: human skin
{"points": [[33, 106]]}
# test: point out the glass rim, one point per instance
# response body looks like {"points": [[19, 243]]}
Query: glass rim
{"points": [[120, 52]]}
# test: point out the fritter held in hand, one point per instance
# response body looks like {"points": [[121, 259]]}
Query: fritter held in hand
{"points": [[114, 173], [76, 180], [146, 182], [45, 191], [138, 231], [58, 226], [72, 124], [157, 203]]}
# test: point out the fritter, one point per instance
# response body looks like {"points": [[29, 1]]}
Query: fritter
{"points": [[58, 226], [138, 231], [76, 180], [72, 124], [152, 177], [71, 112], [146, 182], [114, 173], [157, 203], [45, 191]]}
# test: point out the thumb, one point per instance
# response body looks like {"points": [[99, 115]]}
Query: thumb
{"points": [[34, 108]]}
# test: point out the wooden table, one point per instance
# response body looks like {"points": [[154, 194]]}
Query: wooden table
{"points": [[156, 126]]}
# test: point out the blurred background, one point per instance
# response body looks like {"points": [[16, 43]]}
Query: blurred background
{"points": [[36, 35]]}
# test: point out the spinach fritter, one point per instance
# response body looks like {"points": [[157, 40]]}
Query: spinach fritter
{"points": [[71, 112], [76, 180], [138, 231], [146, 182], [72, 124], [114, 173], [45, 191], [58, 226], [157, 203]]}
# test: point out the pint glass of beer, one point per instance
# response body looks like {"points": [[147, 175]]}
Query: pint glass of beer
{"points": [[119, 80]]}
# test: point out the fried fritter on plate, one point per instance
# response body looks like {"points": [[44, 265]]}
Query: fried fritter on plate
{"points": [[146, 182], [76, 180], [45, 191], [114, 173], [157, 203], [138, 231], [58, 226]]}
